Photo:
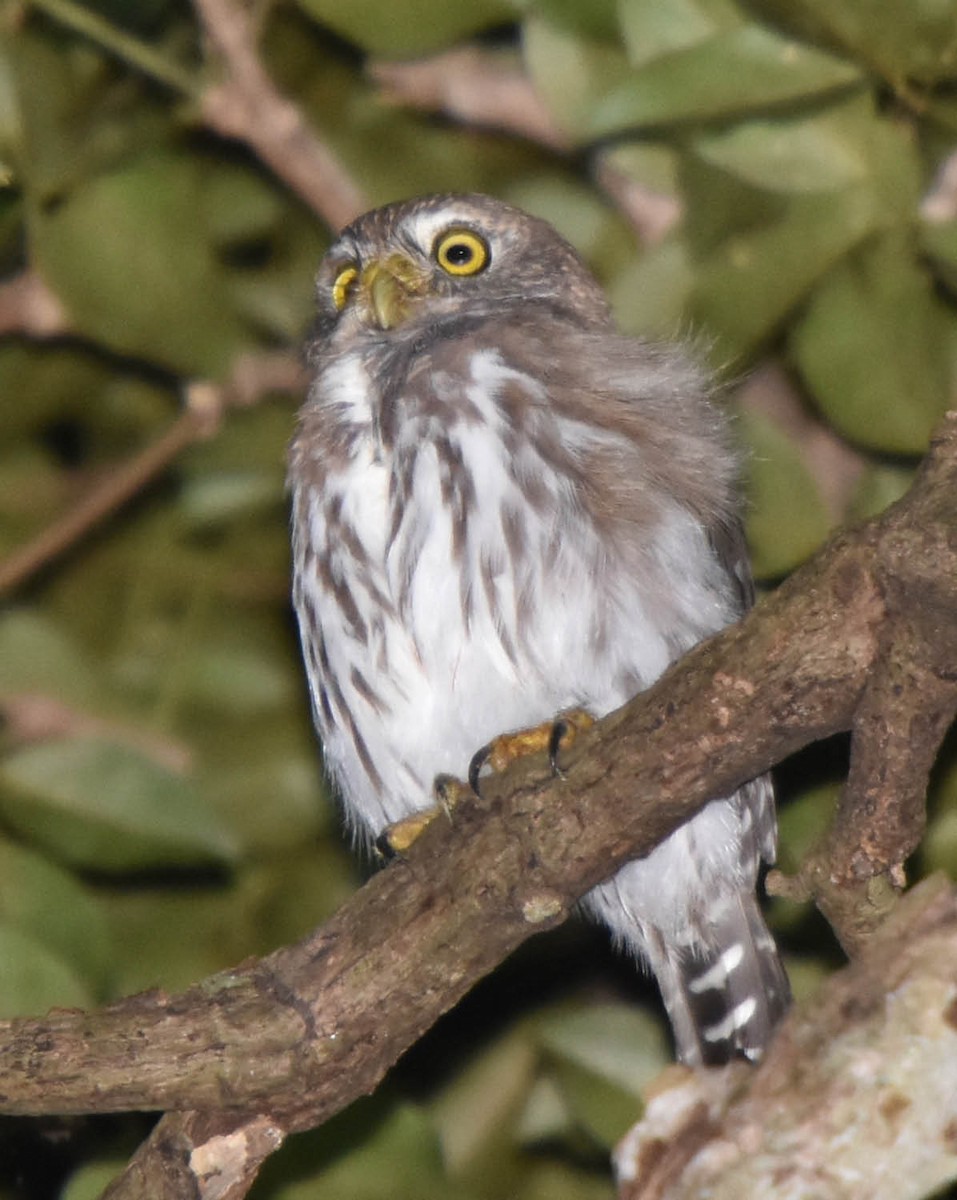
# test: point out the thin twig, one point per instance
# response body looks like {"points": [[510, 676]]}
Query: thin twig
{"points": [[110, 37], [939, 206], [251, 378], [474, 86], [105, 498], [32, 717], [28, 307], [246, 105]]}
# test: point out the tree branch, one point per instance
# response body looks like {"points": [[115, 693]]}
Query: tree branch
{"points": [[303, 1032], [855, 1096], [246, 105], [252, 376], [27, 306]]}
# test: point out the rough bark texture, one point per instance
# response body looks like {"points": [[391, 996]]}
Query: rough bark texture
{"points": [[856, 1099], [864, 636]]}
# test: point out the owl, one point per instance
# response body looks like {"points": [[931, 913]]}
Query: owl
{"points": [[503, 509]]}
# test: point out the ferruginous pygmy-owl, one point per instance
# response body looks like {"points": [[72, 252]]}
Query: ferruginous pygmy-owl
{"points": [[503, 508]]}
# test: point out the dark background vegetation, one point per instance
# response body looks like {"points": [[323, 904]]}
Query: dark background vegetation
{"points": [[776, 180]]}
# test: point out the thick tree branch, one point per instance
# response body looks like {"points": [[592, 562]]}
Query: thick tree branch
{"points": [[303, 1032], [855, 1097]]}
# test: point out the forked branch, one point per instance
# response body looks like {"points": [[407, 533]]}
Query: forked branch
{"points": [[295, 1037]]}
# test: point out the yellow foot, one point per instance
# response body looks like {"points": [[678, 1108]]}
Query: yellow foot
{"points": [[396, 839], [552, 736]]}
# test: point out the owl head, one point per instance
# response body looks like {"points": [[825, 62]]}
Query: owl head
{"points": [[420, 261]]}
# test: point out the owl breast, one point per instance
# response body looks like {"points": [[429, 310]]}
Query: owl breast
{"points": [[461, 584]]}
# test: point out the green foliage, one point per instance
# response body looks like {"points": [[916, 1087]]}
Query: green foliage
{"points": [[162, 808], [402, 30], [95, 803]]}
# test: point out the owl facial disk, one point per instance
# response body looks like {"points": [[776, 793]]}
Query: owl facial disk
{"points": [[388, 289]]}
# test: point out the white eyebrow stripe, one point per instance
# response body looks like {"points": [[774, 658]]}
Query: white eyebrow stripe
{"points": [[426, 225]]}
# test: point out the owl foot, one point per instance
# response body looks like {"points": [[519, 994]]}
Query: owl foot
{"points": [[552, 736], [398, 837]]}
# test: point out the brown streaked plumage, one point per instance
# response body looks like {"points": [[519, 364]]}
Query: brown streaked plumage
{"points": [[503, 508]]}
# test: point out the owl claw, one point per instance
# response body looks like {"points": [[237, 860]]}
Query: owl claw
{"points": [[551, 736], [477, 762], [559, 732], [396, 839]]}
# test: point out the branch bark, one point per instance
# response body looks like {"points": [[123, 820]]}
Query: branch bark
{"points": [[855, 1098], [283, 1043]]}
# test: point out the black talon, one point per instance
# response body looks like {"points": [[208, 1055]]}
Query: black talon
{"points": [[479, 759], [383, 847], [444, 788], [555, 739]]}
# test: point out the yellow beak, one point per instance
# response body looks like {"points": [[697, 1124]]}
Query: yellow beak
{"points": [[388, 289]]}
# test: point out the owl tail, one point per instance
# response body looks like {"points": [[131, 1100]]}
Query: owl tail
{"points": [[724, 1002]]}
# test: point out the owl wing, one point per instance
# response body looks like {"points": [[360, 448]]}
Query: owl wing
{"points": [[730, 548]]}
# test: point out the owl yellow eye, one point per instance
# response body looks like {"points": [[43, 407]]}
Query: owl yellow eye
{"points": [[461, 252], [343, 285]]}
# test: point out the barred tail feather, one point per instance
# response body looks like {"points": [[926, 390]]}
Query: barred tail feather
{"points": [[726, 1002]]}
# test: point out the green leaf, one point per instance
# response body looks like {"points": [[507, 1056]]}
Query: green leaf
{"points": [[939, 848], [52, 907], [787, 519], [740, 300], [256, 759], [653, 30], [618, 1042], [104, 806], [170, 937], [650, 296], [600, 235], [939, 243], [406, 28], [79, 115], [398, 1157], [130, 259], [236, 680], [738, 71], [66, 381], [594, 18], [803, 822], [32, 493], [880, 485], [761, 252], [475, 1114], [903, 39], [826, 152], [571, 73], [34, 979], [38, 658], [602, 1056], [651, 163], [90, 1182], [874, 348], [214, 498], [238, 205]]}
